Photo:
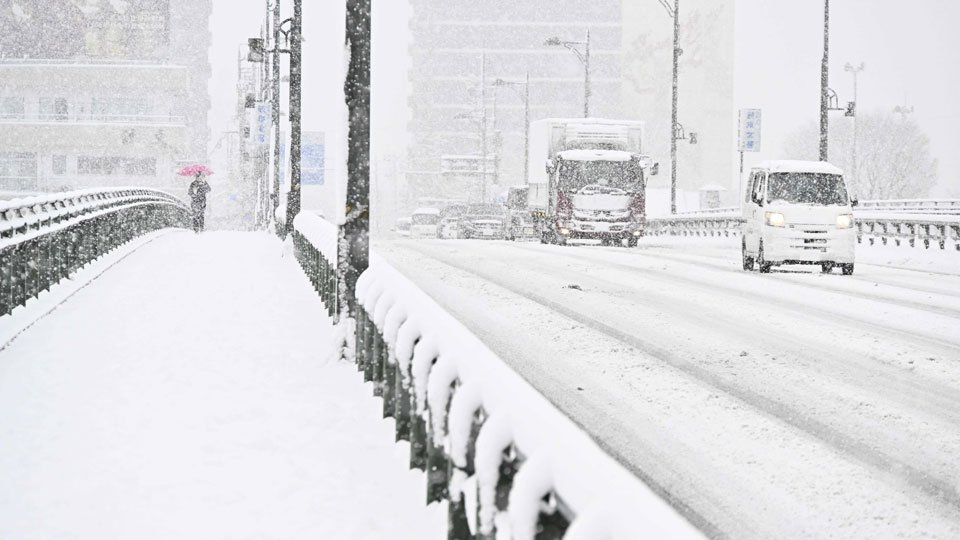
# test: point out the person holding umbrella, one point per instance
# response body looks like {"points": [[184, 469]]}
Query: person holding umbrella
{"points": [[198, 192]]}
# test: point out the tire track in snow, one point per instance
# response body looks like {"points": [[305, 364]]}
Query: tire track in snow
{"points": [[940, 490]]}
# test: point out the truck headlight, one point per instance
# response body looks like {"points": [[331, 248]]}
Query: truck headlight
{"points": [[774, 219], [844, 221]]}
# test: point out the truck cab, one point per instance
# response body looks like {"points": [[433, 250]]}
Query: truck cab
{"points": [[798, 212], [593, 180]]}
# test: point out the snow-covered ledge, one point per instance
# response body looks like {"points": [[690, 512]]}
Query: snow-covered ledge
{"points": [[481, 414]]}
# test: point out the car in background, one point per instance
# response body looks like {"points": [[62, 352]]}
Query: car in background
{"points": [[450, 225], [424, 223], [484, 221], [403, 226]]}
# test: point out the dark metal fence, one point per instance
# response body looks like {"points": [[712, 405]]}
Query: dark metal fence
{"points": [[505, 460], [47, 238]]}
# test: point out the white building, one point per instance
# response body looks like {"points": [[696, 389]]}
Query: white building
{"points": [[102, 94]]}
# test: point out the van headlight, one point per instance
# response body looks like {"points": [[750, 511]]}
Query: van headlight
{"points": [[774, 219], [844, 221]]}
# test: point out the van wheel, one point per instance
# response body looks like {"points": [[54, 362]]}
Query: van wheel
{"points": [[632, 241], [847, 269], [747, 260], [826, 267], [762, 262]]}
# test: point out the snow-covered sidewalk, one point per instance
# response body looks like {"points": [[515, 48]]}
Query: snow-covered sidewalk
{"points": [[189, 392]]}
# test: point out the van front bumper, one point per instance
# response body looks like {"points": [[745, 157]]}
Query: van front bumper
{"points": [[809, 244]]}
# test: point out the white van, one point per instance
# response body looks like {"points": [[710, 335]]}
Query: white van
{"points": [[425, 223], [798, 212]]}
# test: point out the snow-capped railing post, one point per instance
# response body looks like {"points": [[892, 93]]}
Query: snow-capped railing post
{"points": [[47, 238], [508, 463]]}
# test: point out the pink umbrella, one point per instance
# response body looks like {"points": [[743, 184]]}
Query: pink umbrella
{"points": [[194, 170]]}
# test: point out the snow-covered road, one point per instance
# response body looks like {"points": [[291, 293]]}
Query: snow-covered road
{"points": [[189, 392], [786, 405]]}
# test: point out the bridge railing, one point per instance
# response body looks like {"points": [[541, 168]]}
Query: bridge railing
{"points": [[507, 461], [46, 238], [873, 226]]}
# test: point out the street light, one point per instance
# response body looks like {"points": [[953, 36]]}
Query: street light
{"points": [[526, 117], [848, 67], [294, 39], [584, 57], [674, 12], [825, 84]]}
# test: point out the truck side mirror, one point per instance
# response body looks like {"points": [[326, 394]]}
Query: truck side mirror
{"points": [[655, 170], [549, 167]]}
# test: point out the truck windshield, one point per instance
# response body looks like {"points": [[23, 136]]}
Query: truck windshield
{"points": [[575, 175], [807, 188]]}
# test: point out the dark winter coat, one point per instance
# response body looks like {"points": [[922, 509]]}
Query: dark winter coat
{"points": [[198, 194]]}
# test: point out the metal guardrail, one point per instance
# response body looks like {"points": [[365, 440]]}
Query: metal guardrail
{"points": [[47, 238], [507, 461], [912, 229]]}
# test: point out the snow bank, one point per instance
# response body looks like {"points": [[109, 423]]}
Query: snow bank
{"points": [[454, 375]]}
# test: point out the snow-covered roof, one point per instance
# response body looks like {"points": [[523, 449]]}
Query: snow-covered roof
{"points": [[595, 155], [428, 211], [789, 165]]}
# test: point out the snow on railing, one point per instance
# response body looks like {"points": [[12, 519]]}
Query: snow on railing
{"points": [[942, 230], [46, 238], [509, 463], [921, 206]]}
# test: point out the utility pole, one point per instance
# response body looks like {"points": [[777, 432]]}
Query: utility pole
{"points": [[824, 84], [586, 78], [483, 125], [526, 128], [296, 55], [853, 151], [356, 88], [674, 106], [275, 32]]}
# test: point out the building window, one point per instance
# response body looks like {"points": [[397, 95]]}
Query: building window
{"points": [[59, 165], [108, 166], [54, 109], [18, 170], [11, 108]]}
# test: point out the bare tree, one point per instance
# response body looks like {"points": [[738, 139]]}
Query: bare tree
{"points": [[893, 155]]}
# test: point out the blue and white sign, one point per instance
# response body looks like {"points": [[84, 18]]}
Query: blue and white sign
{"points": [[312, 160], [261, 132], [750, 123]]}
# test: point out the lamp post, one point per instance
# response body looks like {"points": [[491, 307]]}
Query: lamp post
{"points": [[585, 58], [824, 84], [296, 50], [853, 151], [674, 12], [294, 37], [481, 120], [526, 117]]}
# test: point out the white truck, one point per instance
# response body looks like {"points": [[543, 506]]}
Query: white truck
{"points": [[587, 180]]}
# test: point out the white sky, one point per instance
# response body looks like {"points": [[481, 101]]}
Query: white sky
{"points": [[910, 50]]}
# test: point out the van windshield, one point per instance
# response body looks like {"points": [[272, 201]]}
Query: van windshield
{"points": [[807, 188]]}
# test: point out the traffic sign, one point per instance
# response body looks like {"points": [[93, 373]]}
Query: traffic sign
{"points": [[750, 123]]}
